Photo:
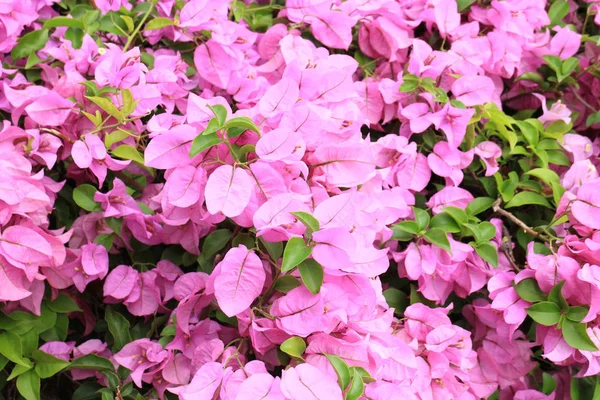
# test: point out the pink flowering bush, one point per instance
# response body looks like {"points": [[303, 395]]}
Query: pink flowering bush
{"points": [[301, 199]]}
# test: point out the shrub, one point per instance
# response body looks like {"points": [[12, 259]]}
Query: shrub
{"points": [[302, 199]]}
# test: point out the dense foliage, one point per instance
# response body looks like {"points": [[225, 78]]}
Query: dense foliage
{"points": [[302, 199]]}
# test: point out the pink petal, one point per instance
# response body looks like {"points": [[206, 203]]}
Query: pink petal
{"points": [[240, 280], [473, 90], [119, 283], [279, 98], [228, 190], [305, 382], [170, 149], [49, 110]]}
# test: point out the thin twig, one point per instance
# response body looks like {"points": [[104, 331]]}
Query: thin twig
{"points": [[496, 208], [507, 249], [582, 100], [129, 181], [57, 134]]}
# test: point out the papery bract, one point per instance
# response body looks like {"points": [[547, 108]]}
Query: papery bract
{"points": [[239, 280]]}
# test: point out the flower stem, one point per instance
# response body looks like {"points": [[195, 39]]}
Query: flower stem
{"points": [[137, 28]]}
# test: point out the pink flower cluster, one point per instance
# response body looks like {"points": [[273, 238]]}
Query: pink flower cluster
{"points": [[306, 199]]}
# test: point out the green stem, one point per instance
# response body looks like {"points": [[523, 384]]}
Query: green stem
{"points": [[585, 21], [137, 28]]}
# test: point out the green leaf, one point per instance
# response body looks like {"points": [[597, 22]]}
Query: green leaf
{"points": [[459, 215], [242, 152], [18, 370], [47, 365], [554, 62], [286, 283], [20, 323], [58, 332], [246, 240], [159, 23], [46, 321], [294, 346], [401, 235], [557, 11], [557, 129], [341, 369], [487, 231], [28, 385], [128, 22], [544, 313], [558, 158], [592, 119], [488, 252], [32, 60], [308, 220], [544, 174], [548, 383], [439, 238], [115, 225], [118, 326], [530, 132], [105, 239], [91, 362], [569, 66], [479, 205], [357, 386], [106, 394], [75, 35], [90, 17], [114, 136], [596, 395], [275, 249], [214, 242], [396, 299], [30, 43], [83, 195], [444, 222], [243, 123], [367, 64], [30, 342], [507, 188], [220, 112], [409, 86], [203, 142], [64, 304], [464, 4], [576, 313], [529, 290], [581, 389], [12, 348], [62, 21], [127, 152], [108, 106], [421, 218], [531, 76], [145, 209], [527, 198], [211, 127], [87, 391], [457, 103], [311, 273], [407, 226], [576, 336], [148, 59], [295, 252], [557, 297]]}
